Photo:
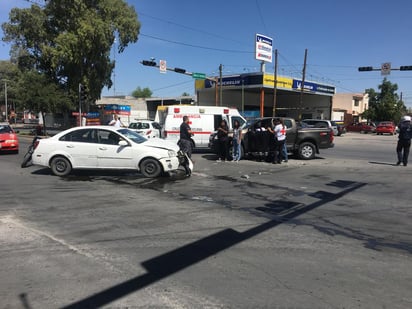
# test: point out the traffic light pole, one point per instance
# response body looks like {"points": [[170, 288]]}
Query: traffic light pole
{"points": [[152, 63], [401, 68], [176, 70], [80, 104]]}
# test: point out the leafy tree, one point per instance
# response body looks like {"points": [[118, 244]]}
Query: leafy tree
{"points": [[70, 40], [142, 93], [185, 94], [40, 94], [384, 105], [10, 75]]}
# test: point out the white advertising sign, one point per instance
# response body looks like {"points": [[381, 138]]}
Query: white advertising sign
{"points": [[263, 48]]}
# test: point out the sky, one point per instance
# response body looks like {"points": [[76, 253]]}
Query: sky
{"points": [[198, 36]]}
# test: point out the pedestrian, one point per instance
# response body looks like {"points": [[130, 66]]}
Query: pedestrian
{"points": [[185, 142], [223, 141], [285, 152], [116, 122], [279, 132], [237, 141], [404, 140]]}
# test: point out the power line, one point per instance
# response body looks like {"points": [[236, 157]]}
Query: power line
{"points": [[261, 16], [192, 29], [174, 85], [198, 46]]}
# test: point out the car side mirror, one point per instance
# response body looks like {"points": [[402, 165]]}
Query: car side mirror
{"points": [[123, 143]]}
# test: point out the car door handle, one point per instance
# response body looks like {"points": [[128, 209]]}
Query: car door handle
{"points": [[70, 146], [102, 148]]}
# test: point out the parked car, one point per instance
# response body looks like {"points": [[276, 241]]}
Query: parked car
{"points": [[9, 141], [322, 123], [105, 147], [361, 127], [147, 128], [386, 127], [340, 125], [302, 141]]}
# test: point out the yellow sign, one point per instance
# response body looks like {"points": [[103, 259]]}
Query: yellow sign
{"points": [[282, 82], [199, 84]]}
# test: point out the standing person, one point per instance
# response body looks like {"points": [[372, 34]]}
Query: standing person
{"points": [[185, 142], [116, 122], [237, 138], [285, 151], [404, 140], [223, 141], [279, 130]]}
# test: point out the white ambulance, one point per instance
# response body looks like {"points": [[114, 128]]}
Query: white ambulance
{"points": [[203, 120]]}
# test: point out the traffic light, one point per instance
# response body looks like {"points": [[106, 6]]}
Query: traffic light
{"points": [[406, 68], [149, 63], [179, 70], [83, 93], [362, 69]]}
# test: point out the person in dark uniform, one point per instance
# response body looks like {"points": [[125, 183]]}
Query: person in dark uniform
{"points": [[404, 140], [185, 141]]}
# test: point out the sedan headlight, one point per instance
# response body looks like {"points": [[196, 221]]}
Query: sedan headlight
{"points": [[172, 153]]}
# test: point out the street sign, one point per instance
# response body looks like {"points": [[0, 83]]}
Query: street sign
{"points": [[162, 66], [199, 75], [386, 68]]}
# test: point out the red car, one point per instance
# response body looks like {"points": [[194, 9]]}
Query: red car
{"points": [[386, 127], [361, 127], [9, 142]]}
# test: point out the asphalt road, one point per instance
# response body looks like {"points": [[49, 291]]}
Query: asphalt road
{"points": [[334, 232]]}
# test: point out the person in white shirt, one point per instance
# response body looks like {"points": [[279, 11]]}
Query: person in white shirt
{"points": [[279, 131], [116, 122]]}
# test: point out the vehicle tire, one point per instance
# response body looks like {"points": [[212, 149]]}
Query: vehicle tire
{"points": [[307, 151], [151, 168], [26, 160], [60, 166]]}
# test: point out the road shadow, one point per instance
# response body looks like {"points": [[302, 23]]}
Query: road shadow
{"points": [[382, 163], [167, 264]]}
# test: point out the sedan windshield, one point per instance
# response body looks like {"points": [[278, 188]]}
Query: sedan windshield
{"points": [[135, 137], [5, 129]]}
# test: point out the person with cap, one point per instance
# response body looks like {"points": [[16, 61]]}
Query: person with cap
{"points": [[404, 140]]}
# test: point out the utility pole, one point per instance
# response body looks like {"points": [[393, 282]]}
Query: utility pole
{"points": [[275, 83], [303, 84], [220, 85], [5, 99]]}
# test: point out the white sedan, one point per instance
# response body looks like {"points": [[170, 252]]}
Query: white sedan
{"points": [[104, 147], [147, 128]]}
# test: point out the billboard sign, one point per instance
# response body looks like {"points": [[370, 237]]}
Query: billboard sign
{"points": [[117, 109], [313, 87], [282, 82], [264, 48]]}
